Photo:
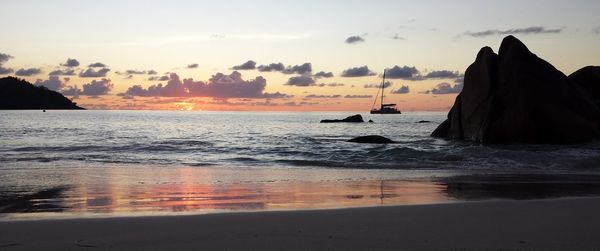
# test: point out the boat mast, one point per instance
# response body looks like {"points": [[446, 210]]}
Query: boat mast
{"points": [[382, 86]]}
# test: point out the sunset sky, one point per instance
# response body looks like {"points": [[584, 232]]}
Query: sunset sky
{"points": [[278, 55]]}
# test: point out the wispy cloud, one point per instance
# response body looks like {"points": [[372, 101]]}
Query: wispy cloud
{"points": [[198, 38], [358, 96], [514, 31], [397, 37], [322, 96]]}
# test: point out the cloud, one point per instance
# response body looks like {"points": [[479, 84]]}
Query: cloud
{"points": [[152, 72], [305, 68], [442, 74], [28, 72], [133, 72], [413, 74], [4, 58], [91, 73], [446, 88], [523, 31], [397, 37], [97, 65], [358, 96], [71, 91], [4, 71], [95, 88], [276, 95], [192, 66], [357, 72], [302, 81], [323, 74], [158, 78], [323, 96], [354, 39], [404, 72], [385, 85], [220, 86], [71, 62], [248, 65], [271, 67], [66, 72], [53, 83], [402, 90], [329, 85]]}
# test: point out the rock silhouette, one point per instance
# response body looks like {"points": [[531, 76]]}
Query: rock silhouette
{"points": [[516, 97], [18, 94], [350, 119], [588, 78], [372, 139]]}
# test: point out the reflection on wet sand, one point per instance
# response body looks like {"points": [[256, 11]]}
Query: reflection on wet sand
{"points": [[166, 198], [147, 191]]}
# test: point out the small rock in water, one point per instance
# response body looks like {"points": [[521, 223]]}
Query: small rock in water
{"points": [[423, 121], [351, 119], [372, 139]]}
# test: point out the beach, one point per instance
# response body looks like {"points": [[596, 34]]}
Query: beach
{"points": [[551, 224], [281, 181]]}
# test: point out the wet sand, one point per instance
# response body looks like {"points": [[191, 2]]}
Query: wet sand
{"points": [[551, 224]]}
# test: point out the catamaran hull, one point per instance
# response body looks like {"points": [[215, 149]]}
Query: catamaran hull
{"points": [[385, 112]]}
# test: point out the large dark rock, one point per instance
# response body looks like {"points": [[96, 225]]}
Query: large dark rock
{"points": [[517, 97], [373, 139], [351, 119], [588, 78], [17, 94]]}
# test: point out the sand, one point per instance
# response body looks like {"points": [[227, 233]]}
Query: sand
{"points": [[552, 224]]}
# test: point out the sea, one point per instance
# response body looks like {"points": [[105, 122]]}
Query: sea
{"points": [[89, 163]]}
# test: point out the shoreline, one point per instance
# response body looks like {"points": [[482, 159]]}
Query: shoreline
{"points": [[546, 224]]}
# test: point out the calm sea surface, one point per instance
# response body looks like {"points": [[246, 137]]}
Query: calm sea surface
{"points": [[90, 162]]}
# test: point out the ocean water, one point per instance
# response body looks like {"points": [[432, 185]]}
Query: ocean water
{"points": [[168, 161], [261, 139]]}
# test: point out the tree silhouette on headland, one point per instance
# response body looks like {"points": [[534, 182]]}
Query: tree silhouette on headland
{"points": [[18, 94]]}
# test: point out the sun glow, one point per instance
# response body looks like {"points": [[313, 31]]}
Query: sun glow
{"points": [[184, 106]]}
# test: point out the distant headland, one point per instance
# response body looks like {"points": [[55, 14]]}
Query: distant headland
{"points": [[18, 94]]}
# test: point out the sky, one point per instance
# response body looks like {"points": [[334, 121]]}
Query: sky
{"points": [[278, 55]]}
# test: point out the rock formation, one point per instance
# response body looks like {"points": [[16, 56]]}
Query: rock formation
{"points": [[373, 139], [351, 119], [17, 94], [517, 97], [588, 78]]}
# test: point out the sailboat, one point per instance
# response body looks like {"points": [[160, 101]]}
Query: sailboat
{"points": [[385, 108]]}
